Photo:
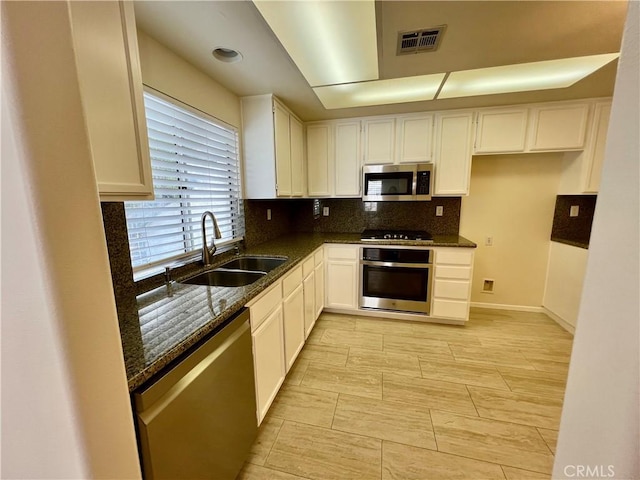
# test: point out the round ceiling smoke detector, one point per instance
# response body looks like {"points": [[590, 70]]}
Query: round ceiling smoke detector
{"points": [[227, 55]]}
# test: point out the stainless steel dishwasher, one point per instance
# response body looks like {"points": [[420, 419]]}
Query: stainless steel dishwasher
{"points": [[198, 421]]}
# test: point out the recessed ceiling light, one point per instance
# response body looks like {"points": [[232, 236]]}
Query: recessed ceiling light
{"points": [[523, 77], [227, 55], [380, 92], [331, 42]]}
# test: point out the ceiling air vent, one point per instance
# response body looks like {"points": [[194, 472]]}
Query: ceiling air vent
{"points": [[417, 41]]}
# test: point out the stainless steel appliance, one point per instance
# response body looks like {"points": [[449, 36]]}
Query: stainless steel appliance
{"points": [[397, 182], [396, 278], [199, 419]]}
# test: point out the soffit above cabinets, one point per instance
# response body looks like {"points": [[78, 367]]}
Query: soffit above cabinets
{"points": [[478, 35]]}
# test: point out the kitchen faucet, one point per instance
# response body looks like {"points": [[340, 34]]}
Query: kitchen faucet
{"points": [[208, 252]]}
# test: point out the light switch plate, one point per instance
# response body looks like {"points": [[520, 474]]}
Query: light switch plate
{"points": [[574, 210], [325, 211], [439, 211]]}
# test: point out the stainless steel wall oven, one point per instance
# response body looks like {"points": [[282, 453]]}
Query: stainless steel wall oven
{"points": [[396, 278]]}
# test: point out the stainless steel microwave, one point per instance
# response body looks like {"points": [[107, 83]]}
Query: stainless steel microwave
{"points": [[408, 182]]}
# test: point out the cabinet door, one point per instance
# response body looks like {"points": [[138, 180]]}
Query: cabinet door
{"points": [[453, 153], [106, 49], [319, 292], [309, 287], [283, 150], [297, 157], [348, 169], [342, 284], [293, 309], [379, 145], [415, 139], [598, 142], [560, 127], [501, 131], [268, 358], [318, 159]]}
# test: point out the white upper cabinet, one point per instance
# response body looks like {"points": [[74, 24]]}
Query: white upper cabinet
{"points": [[334, 158], [558, 127], [283, 151], [501, 131], [319, 158], [379, 140], [296, 131], [594, 152], [108, 63], [415, 139], [348, 167], [454, 138], [273, 149]]}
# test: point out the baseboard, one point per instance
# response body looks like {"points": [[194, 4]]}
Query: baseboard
{"points": [[524, 308], [500, 306], [560, 321], [363, 312]]}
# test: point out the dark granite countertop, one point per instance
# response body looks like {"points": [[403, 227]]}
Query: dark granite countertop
{"points": [[167, 325]]}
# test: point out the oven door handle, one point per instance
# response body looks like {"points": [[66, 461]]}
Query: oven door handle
{"points": [[424, 266]]}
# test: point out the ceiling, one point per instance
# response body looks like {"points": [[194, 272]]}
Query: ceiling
{"points": [[479, 34]]}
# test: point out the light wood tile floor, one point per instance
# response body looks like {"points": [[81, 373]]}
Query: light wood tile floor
{"points": [[388, 399]]}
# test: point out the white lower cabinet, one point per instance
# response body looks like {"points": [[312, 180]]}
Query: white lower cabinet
{"points": [[341, 286], [319, 281], [452, 283], [281, 319], [293, 310], [268, 360], [309, 287]]}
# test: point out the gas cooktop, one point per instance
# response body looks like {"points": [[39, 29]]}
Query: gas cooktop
{"points": [[370, 235]]}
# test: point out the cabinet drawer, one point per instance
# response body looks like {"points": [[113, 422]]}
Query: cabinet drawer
{"points": [[342, 252], [454, 257], [458, 273], [458, 290], [263, 304], [319, 256], [307, 266], [292, 280], [450, 309]]}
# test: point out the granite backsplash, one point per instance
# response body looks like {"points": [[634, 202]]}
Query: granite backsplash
{"points": [[348, 216], [573, 230]]}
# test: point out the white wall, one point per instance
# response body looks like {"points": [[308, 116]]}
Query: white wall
{"points": [[512, 199], [600, 419], [65, 403], [172, 75], [565, 277]]}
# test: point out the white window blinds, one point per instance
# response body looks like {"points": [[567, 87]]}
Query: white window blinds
{"points": [[195, 165]]}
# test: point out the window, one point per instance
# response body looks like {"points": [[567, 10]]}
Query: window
{"points": [[195, 166]]}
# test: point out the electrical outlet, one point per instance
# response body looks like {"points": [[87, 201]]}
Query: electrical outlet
{"points": [[325, 211], [268, 214], [488, 241], [439, 211], [574, 210], [487, 285]]}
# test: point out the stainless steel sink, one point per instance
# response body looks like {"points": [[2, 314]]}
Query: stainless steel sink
{"points": [[225, 278], [257, 264]]}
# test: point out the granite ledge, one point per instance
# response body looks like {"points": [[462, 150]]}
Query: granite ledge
{"points": [[169, 324], [573, 243]]}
